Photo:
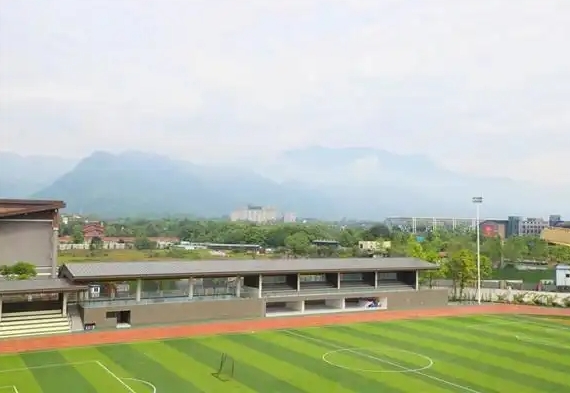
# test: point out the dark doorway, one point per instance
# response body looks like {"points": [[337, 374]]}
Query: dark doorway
{"points": [[124, 317]]}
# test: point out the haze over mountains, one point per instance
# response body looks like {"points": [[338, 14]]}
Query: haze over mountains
{"points": [[313, 182]]}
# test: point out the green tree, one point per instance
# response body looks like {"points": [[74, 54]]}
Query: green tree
{"points": [[144, 243], [429, 276], [538, 249], [298, 244], [493, 249], [18, 271], [515, 249], [96, 243], [461, 267], [77, 235]]}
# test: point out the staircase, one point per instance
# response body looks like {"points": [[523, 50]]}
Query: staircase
{"points": [[33, 323]]}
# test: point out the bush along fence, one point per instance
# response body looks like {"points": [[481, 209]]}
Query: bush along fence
{"points": [[545, 299]]}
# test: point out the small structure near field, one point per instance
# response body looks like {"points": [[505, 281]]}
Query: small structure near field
{"points": [[563, 278]]}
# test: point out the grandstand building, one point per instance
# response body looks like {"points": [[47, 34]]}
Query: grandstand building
{"points": [[29, 232], [84, 296]]}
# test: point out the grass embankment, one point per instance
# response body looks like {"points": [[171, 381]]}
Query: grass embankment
{"points": [[140, 255]]}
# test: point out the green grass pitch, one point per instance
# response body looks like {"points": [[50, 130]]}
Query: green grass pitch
{"points": [[477, 354]]}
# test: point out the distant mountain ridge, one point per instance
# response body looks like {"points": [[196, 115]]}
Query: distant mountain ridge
{"points": [[21, 176], [136, 184], [313, 182]]}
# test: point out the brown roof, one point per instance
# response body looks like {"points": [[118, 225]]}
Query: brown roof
{"points": [[210, 268], [43, 285], [15, 207], [559, 236]]}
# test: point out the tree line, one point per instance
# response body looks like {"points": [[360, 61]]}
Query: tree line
{"points": [[297, 239]]}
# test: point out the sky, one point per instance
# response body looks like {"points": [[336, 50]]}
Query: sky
{"points": [[477, 86]]}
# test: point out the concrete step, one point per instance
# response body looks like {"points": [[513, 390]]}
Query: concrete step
{"points": [[35, 322], [9, 317], [31, 313], [34, 332]]}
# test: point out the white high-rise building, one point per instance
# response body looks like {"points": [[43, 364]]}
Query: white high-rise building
{"points": [[259, 214]]}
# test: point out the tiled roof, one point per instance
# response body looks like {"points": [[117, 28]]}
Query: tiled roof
{"points": [[45, 285], [85, 271]]}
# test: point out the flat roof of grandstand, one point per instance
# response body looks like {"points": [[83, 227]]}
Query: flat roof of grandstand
{"points": [[14, 207], [184, 269], [47, 285]]}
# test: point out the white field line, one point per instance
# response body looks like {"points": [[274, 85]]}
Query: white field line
{"points": [[112, 374], [323, 342], [150, 385], [15, 389], [12, 388], [55, 365]]}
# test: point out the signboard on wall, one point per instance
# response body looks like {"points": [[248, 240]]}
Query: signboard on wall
{"points": [[489, 229]]}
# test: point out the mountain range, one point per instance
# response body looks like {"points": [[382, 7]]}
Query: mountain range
{"points": [[313, 182]]}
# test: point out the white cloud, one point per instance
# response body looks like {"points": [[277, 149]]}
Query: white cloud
{"points": [[223, 80]]}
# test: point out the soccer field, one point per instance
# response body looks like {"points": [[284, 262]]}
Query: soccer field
{"points": [[476, 354]]}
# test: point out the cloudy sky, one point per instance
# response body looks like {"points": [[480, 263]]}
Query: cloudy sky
{"points": [[478, 86]]}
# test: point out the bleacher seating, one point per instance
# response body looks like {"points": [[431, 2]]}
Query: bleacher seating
{"points": [[32, 323]]}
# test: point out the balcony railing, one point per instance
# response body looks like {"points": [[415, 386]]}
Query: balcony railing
{"points": [[157, 300], [289, 292]]}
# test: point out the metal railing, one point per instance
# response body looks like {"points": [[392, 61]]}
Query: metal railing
{"points": [[253, 292], [157, 300]]}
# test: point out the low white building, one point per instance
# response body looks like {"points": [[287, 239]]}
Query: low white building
{"points": [[563, 277]]}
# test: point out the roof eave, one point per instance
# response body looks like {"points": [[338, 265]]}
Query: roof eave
{"points": [[75, 288], [233, 273]]}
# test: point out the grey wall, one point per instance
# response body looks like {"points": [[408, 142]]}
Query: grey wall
{"points": [[28, 242], [397, 300], [171, 313]]}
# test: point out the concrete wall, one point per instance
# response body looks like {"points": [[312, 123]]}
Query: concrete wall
{"points": [[27, 241], [398, 300], [405, 300], [170, 313]]}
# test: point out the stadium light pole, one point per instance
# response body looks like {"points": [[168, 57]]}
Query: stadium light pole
{"points": [[478, 201]]}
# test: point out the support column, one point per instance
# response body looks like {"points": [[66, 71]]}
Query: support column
{"points": [[298, 282], [0, 308], [139, 290], [191, 287], [64, 304], [417, 280], [54, 248], [238, 286], [260, 287], [376, 279], [338, 280]]}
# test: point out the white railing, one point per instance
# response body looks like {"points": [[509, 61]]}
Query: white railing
{"points": [[160, 300]]}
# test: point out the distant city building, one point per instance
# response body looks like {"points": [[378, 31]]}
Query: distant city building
{"points": [[289, 217], [494, 228], [554, 220], [373, 245], [258, 214], [533, 226], [518, 226], [422, 224]]}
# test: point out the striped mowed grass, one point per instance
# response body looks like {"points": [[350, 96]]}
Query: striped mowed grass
{"points": [[474, 354]]}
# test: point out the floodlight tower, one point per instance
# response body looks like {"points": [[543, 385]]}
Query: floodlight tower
{"points": [[478, 201]]}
